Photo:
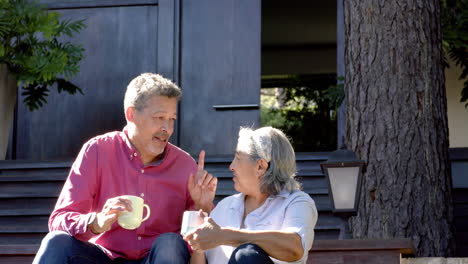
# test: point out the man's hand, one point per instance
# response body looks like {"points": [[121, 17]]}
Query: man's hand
{"points": [[206, 236], [109, 214], [202, 186]]}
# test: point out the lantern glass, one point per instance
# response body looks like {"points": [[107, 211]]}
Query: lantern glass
{"points": [[343, 183]]}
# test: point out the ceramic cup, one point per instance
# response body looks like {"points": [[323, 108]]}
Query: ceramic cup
{"points": [[132, 220]]}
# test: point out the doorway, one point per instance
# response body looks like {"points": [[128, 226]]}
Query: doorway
{"points": [[299, 94]]}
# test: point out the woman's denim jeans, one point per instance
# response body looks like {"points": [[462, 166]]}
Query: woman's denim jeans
{"points": [[249, 254]]}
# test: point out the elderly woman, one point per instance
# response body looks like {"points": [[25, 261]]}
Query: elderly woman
{"points": [[270, 220]]}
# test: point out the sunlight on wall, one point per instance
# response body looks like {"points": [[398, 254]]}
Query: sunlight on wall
{"points": [[457, 113]]}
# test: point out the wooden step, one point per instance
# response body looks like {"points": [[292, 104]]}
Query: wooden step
{"points": [[34, 176], [18, 254], [323, 251], [39, 225], [383, 251], [10, 191], [20, 224], [326, 234], [226, 173], [21, 238], [27, 206], [12, 165], [14, 249], [25, 259], [30, 189]]}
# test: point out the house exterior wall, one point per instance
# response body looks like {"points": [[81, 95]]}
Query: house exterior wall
{"points": [[457, 113]]}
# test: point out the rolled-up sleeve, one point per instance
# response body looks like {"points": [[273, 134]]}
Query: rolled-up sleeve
{"points": [[74, 205], [301, 217]]}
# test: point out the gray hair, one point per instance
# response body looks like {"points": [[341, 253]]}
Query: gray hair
{"points": [[147, 85], [272, 145]]}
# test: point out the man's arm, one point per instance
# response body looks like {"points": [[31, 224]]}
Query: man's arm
{"points": [[72, 212], [202, 187]]}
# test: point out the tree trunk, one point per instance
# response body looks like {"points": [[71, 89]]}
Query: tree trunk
{"points": [[397, 122], [7, 107]]}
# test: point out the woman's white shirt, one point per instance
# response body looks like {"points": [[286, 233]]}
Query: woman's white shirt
{"points": [[288, 211]]}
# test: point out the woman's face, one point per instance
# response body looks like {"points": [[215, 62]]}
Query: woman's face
{"points": [[245, 174]]}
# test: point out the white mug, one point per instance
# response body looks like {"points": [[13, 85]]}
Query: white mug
{"points": [[133, 219], [190, 221]]}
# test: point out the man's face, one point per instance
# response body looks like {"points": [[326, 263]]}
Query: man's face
{"points": [[154, 126]]}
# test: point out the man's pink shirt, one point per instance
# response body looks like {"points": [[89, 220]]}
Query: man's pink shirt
{"points": [[109, 166]]}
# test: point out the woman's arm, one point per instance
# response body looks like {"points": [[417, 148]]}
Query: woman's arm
{"points": [[198, 257], [285, 246], [282, 245]]}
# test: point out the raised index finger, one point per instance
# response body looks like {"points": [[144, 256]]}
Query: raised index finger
{"points": [[201, 160]]}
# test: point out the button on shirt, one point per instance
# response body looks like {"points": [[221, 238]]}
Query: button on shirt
{"points": [[294, 212], [109, 166]]}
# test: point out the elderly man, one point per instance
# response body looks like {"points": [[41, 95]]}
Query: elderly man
{"points": [[137, 161]]}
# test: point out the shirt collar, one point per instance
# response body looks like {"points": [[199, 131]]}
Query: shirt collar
{"points": [[284, 194], [129, 146], [156, 163], [238, 201]]}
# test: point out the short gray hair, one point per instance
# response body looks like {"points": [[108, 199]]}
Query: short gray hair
{"points": [[272, 145], [147, 85]]}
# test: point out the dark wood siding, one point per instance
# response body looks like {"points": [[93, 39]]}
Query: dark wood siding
{"points": [[211, 48], [29, 191], [122, 40], [220, 65]]}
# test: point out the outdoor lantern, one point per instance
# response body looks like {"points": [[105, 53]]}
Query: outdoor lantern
{"points": [[343, 172]]}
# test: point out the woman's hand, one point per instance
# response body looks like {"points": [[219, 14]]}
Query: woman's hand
{"points": [[282, 245], [206, 236]]}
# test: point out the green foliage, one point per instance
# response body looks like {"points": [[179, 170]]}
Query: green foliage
{"points": [[308, 114], [30, 47], [335, 94], [455, 37], [307, 129]]}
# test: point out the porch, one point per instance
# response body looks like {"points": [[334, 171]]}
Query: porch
{"points": [[28, 192]]}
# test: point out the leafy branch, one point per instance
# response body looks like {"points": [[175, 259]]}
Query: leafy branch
{"points": [[455, 38]]}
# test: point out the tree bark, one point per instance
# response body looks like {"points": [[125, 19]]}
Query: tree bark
{"points": [[7, 107], [397, 122]]}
